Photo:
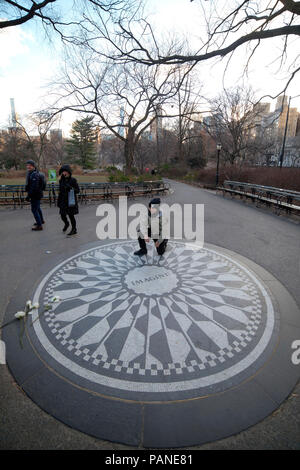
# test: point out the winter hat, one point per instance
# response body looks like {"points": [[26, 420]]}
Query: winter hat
{"points": [[155, 201], [31, 162], [65, 168]]}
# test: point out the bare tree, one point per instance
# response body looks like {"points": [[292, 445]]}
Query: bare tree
{"points": [[233, 122], [55, 151], [187, 104], [145, 154], [111, 151], [15, 148], [36, 132], [229, 27], [20, 12], [124, 97], [48, 14]]}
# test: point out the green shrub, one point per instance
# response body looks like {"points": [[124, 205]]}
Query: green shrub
{"points": [[134, 171], [118, 176], [112, 168], [189, 177]]}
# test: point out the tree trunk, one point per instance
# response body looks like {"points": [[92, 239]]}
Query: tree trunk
{"points": [[129, 150], [180, 149]]}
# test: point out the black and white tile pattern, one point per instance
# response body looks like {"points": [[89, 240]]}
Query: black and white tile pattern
{"points": [[192, 319]]}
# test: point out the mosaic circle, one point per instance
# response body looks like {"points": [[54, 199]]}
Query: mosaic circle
{"points": [[187, 321]]}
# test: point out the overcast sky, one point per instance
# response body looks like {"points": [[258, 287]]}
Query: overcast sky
{"points": [[28, 60]]}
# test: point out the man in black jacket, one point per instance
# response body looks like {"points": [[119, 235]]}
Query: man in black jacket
{"points": [[34, 188]]}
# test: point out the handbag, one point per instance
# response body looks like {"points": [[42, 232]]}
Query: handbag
{"points": [[71, 198]]}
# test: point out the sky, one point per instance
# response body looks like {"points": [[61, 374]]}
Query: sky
{"points": [[29, 61]]}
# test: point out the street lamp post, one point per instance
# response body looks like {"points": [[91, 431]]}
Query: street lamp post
{"points": [[284, 136], [219, 146]]}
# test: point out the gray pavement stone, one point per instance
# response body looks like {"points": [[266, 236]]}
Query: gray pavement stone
{"points": [[272, 242]]}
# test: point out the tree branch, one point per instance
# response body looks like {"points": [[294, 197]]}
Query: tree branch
{"points": [[30, 13], [253, 36]]}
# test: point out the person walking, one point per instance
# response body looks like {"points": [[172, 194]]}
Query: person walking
{"points": [[151, 227], [67, 198], [34, 187]]}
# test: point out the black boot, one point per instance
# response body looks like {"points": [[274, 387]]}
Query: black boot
{"points": [[143, 247], [66, 227], [140, 252], [162, 247], [73, 232]]}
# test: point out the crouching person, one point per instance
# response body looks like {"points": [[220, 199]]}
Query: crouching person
{"points": [[67, 199], [151, 227]]}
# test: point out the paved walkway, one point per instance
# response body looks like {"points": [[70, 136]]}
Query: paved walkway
{"points": [[255, 236]]}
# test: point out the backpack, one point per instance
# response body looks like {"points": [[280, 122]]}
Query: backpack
{"points": [[43, 181]]}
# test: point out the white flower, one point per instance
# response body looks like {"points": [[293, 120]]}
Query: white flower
{"points": [[55, 299], [35, 306], [20, 315], [29, 304]]}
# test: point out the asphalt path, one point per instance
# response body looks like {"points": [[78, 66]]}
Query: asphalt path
{"points": [[269, 240]]}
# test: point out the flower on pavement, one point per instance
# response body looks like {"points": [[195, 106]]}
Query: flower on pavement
{"points": [[20, 314]]}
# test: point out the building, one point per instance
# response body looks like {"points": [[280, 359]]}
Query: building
{"points": [[261, 112], [98, 135], [56, 135], [298, 125], [156, 126], [292, 152], [13, 116], [281, 110], [282, 102], [292, 122], [272, 124]]}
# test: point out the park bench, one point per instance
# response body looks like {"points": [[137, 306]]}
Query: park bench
{"points": [[10, 195], [149, 187], [114, 190], [276, 197], [16, 195]]}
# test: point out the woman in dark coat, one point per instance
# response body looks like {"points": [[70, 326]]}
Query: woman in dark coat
{"points": [[66, 183]]}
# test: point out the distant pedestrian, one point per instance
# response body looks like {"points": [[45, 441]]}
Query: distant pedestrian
{"points": [[35, 184], [67, 198]]}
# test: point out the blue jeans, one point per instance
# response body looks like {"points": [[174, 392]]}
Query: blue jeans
{"points": [[36, 210]]}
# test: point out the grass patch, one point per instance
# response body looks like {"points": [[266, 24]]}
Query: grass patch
{"points": [[93, 178]]}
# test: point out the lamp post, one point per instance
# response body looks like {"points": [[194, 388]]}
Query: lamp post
{"points": [[219, 146], [284, 136]]}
